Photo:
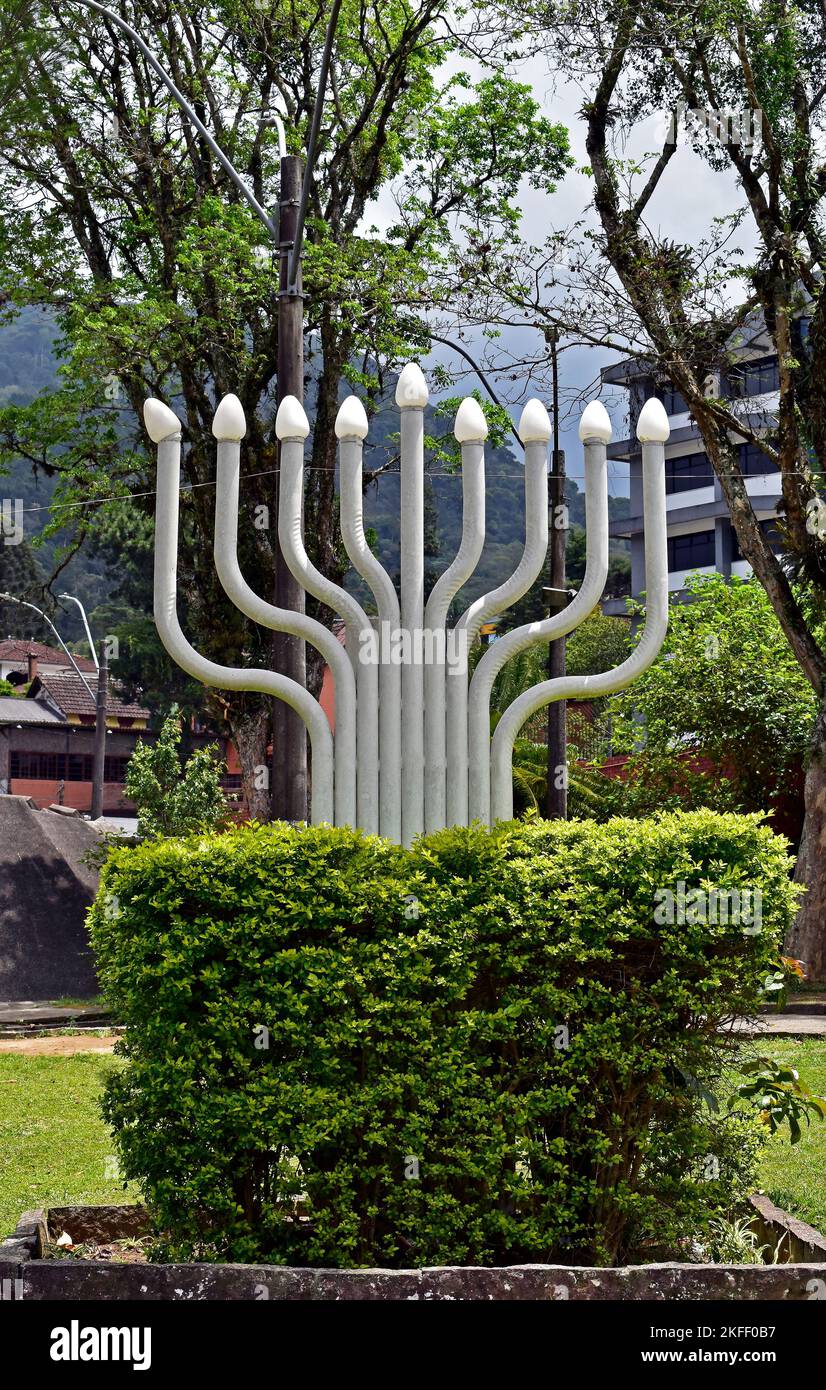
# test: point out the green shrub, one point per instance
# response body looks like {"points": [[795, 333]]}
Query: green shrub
{"points": [[482, 1050]]}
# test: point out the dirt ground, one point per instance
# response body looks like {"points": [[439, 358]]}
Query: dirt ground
{"points": [[58, 1046]]}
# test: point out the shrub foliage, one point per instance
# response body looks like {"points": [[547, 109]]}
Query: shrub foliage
{"points": [[482, 1050]]}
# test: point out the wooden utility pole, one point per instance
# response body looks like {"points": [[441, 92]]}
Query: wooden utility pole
{"points": [[288, 782], [556, 807], [99, 762]]}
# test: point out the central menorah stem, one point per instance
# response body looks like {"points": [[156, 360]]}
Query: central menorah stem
{"points": [[411, 397]]}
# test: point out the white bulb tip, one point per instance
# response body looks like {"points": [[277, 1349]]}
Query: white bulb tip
{"points": [[161, 422], [471, 425], [653, 426], [291, 421], [535, 423], [595, 423], [411, 388], [229, 421], [351, 421]]}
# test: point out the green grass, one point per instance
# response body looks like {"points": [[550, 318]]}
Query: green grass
{"points": [[794, 1175], [72, 1002], [54, 1146]]}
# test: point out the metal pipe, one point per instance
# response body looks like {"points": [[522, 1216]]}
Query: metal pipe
{"points": [[471, 431], [229, 427], [292, 428], [535, 431], [597, 434], [652, 430], [190, 114], [411, 398], [12, 598], [164, 429], [312, 142], [351, 430]]}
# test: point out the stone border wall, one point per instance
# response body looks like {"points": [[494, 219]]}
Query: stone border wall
{"points": [[24, 1274]]}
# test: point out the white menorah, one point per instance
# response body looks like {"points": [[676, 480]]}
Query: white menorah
{"points": [[412, 749]]}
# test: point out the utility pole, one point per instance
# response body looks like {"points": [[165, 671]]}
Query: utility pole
{"points": [[288, 781], [100, 733], [557, 796]]}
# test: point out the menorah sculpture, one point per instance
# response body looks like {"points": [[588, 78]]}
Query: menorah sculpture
{"points": [[412, 749]]}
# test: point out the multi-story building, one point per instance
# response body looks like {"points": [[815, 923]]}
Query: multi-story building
{"points": [[700, 535]]}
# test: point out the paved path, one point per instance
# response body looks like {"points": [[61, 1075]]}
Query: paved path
{"points": [[59, 1046], [786, 1026]]}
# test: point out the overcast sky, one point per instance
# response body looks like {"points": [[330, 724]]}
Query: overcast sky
{"points": [[689, 197]]}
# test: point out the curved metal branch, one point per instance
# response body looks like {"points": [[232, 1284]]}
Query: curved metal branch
{"points": [[209, 672]]}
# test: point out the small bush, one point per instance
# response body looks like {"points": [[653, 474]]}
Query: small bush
{"points": [[484, 1050]]}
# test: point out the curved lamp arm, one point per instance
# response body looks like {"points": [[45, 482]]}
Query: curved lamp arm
{"points": [[292, 428], [351, 430], [164, 429], [471, 431], [229, 427], [535, 432], [653, 431], [595, 418]]}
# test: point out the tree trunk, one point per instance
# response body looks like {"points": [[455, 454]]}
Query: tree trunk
{"points": [[807, 938], [250, 736]]}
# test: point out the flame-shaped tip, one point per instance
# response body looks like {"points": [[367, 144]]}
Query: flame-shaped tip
{"points": [[471, 424], [595, 423], [653, 426], [291, 421], [229, 421], [411, 388], [351, 421], [535, 423], [161, 422]]}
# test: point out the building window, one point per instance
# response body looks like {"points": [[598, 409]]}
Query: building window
{"points": [[769, 528], [688, 471], [672, 400], [754, 378], [753, 461], [691, 552], [60, 767]]}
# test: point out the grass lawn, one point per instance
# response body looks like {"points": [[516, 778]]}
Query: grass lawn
{"points": [[54, 1147], [794, 1176]]}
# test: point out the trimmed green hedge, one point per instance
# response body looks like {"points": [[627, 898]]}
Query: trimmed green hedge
{"points": [[482, 1050]]}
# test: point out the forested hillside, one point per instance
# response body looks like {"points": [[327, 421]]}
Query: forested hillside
{"points": [[95, 574]]}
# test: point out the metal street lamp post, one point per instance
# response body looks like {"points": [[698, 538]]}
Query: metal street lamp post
{"points": [[89, 639]]}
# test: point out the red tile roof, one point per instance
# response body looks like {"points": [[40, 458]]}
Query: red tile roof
{"points": [[19, 649], [67, 691]]}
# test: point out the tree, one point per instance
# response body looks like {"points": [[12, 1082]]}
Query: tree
{"points": [[686, 312], [171, 798], [725, 687], [115, 213], [22, 576]]}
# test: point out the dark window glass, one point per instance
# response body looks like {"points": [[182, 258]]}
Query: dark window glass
{"points": [[755, 377], [754, 461], [38, 767], [688, 471], [672, 400], [769, 529], [691, 552]]}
